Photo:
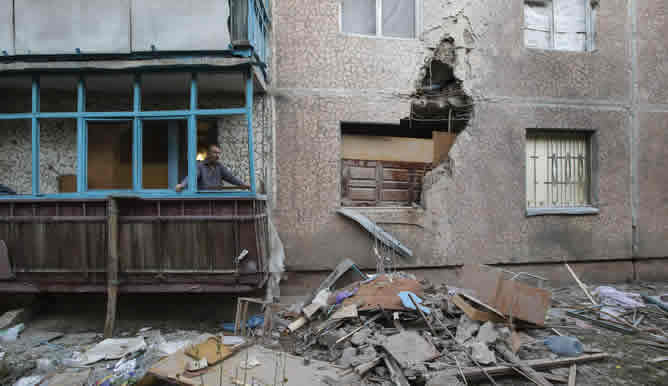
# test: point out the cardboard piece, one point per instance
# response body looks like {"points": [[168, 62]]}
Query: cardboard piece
{"points": [[172, 369], [349, 311], [383, 291], [213, 350], [443, 141], [511, 297], [473, 312]]}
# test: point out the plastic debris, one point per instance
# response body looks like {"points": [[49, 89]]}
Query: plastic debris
{"points": [[249, 363], [567, 346], [11, 334], [46, 365], [113, 349], [343, 295], [610, 296], [233, 340], [406, 301], [32, 380], [253, 322]]}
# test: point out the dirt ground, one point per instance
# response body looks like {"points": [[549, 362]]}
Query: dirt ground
{"points": [[80, 318]]}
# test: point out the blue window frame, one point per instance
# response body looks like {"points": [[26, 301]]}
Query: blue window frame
{"points": [[136, 116]]}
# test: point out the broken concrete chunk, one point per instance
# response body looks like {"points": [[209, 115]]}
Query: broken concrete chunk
{"points": [[466, 328], [12, 318], [409, 347], [347, 357], [360, 337], [329, 338], [443, 379], [487, 333], [481, 353], [367, 354]]}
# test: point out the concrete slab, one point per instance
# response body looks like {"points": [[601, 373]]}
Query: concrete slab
{"points": [[409, 347]]}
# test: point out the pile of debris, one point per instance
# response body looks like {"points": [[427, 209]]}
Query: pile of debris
{"points": [[380, 329], [391, 329]]}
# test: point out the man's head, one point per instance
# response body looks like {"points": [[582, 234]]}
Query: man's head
{"points": [[213, 154]]}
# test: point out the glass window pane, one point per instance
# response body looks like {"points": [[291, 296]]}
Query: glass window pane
{"points": [[359, 16], [399, 18], [221, 90], [15, 157], [165, 91], [230, 134], [58, 93], [57, 156], [110, 155], [571, 16], [15, 94], [538, 24], [164, 153], [109, 92]]}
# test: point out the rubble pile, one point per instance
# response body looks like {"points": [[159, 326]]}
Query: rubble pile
{"points": [[494, 327], [391, 329]]}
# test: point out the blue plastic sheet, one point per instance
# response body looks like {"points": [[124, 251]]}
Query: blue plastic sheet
{"points": [[406, 301], [254, 321]]}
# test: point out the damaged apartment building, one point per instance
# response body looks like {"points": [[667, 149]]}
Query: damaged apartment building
{"points": [[524, 133]]}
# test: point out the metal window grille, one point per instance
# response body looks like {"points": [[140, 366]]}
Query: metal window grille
{"points": [[557, 170]]}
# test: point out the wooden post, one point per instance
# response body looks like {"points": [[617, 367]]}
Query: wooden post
{"points": [[112, 266]]}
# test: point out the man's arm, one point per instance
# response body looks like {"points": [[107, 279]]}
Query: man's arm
{"points": [[231, 178], [184, 183]]}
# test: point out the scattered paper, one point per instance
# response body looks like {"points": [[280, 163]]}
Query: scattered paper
{"points": [[113, 349]]}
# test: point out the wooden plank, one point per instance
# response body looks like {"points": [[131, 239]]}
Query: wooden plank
{"points": [[395, 195], [362, 194], [362, 173], [112, 268], [529, 372], [383, 148], [536, 364], [572, 374]]}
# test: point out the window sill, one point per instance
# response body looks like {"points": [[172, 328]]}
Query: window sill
{"points": [[381, 37], [574, 211]]}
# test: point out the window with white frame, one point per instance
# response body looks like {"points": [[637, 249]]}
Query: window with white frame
{"points": [[388, 18], [566, 25], [558, 170]]}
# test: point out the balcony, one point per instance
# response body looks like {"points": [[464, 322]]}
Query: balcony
{"points": [[75, 28]]}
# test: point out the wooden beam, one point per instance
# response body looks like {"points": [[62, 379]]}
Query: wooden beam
{"points": [[527, 371], [112, 267], [571, 374], [536, 364]]}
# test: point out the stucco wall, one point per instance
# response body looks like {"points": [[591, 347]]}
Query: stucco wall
{"points": [[651, 130], [324, 77]]}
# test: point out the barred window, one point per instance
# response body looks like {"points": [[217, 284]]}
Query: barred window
{"points": [[566, 25], [558, 170]]}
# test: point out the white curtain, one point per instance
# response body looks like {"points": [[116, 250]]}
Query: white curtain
{"points": [[359, 16]]}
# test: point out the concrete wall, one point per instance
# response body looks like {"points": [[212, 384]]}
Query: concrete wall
{"points": [[650, 129], [324, 77]]}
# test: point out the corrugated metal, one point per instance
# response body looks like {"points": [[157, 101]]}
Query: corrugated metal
{"points": [[63, 244]]}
